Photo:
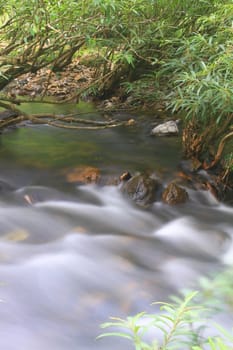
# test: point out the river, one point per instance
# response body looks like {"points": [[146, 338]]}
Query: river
{"points": [[72, 255]]}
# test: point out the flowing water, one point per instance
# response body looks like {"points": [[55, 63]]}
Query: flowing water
{"points": [[72, 255]]}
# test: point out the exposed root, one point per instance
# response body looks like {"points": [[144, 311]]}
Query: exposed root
{"points": [[219, 151]]}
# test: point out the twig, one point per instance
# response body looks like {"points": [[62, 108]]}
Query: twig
{"points": [[12, 121]]}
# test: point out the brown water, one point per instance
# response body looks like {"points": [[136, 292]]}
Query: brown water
{"points": [[80, 254]]}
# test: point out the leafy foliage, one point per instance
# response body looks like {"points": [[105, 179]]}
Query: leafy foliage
{"points": [[176, 51], [182, 324]]}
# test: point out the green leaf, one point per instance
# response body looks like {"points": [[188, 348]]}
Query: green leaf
{"points": [[223, 331], [115, 334]]}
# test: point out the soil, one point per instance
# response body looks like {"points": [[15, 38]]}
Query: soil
{"points": [[67, 84], [46, 83]]}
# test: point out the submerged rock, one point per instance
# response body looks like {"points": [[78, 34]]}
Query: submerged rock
{"points": [[83, 175], [142, 189], [168, 128], [6, 187], [174, 194]]}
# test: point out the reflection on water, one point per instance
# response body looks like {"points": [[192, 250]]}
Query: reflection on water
{"points": [[71, 256], [46, 148]]}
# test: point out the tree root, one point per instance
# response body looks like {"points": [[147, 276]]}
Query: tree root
{"points": [[219, 151]]}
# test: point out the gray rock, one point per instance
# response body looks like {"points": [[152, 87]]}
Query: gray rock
{"points": [[168, 128]]}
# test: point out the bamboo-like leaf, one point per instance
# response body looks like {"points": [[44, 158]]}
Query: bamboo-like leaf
{"points": [[115, 334], [223, 331]]}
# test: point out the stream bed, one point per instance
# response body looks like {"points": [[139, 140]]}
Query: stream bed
{"points": [[72, 255]]}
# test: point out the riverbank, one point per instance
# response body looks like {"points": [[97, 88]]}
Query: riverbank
{"points": [[65, 87]]}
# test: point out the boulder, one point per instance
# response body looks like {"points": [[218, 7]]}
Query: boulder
{"points": [[142, 189], [174, 194], [168, 128]]}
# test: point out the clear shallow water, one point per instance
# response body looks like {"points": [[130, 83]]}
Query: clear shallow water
{"points": [[111, 150], [71, 256]]}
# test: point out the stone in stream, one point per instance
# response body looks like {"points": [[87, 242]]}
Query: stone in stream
{"points": [[174, 194], [168, 128], [142, 189], [83, 175]]}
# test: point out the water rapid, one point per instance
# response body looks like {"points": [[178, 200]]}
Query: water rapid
{"points": [[68, 263], [72, 255]]}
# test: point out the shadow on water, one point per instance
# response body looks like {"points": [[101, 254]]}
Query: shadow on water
{"points": [[72, 255]]}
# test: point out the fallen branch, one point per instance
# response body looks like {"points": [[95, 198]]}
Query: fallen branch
{"points": [[64, 126], [70, 118], [61, 121], [13, 121]]}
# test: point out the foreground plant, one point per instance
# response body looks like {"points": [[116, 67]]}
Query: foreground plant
{"points": [[179, 325]]}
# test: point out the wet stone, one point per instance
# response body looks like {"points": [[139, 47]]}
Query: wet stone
{"points": [[141, 189], [174, 194], [83, 174]]}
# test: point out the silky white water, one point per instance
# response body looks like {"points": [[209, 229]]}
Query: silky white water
{"points": [[68, 263], [71, 255]]}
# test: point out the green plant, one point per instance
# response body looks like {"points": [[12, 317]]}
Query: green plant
{"points": [[216, 292], [176, 52], [182, 324], [228, 159]]}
